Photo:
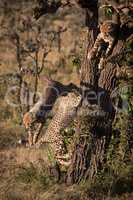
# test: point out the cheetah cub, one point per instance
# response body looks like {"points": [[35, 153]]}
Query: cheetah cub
{"points": [[108, 34]]}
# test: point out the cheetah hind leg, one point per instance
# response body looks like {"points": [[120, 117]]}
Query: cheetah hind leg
{"points": [[101, 64], [65, 159], [64, 163]]}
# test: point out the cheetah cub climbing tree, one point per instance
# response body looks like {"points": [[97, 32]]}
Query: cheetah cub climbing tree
{"points": [[94, 128]]}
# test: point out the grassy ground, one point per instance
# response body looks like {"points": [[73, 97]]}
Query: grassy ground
{"points": [[24, 176]]}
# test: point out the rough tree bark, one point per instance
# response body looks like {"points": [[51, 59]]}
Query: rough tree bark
{"points": [[95, 117], [96, 113]]}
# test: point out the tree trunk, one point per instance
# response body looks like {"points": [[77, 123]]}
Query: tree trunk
{"points": [[96, 113], [95, 117]]}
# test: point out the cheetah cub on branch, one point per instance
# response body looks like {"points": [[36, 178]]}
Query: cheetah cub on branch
{"points": [[108, 34]]}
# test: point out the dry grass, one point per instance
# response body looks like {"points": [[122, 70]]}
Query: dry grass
{"points": [[24, 176]]}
